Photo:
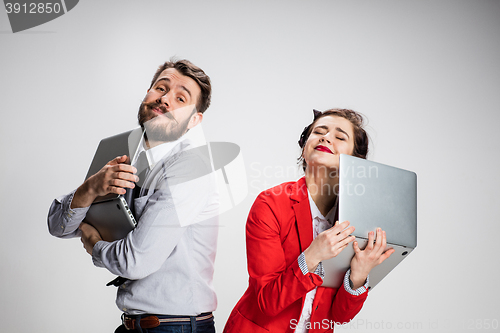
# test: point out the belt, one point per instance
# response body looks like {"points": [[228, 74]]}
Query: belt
{"points": [[151, 321]]}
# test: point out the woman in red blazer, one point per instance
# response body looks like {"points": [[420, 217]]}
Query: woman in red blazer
{"points": [[283, 253]]}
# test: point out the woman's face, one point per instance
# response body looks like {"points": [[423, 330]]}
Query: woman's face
{"points": [[330, 137]]}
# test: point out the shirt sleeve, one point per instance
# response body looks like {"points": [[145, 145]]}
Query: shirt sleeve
{"points": [[164, 218], [303, 266], [348, 288], [347, 302], [63, 221]]}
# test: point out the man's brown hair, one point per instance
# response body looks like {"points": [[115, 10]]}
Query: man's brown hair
{"points": [[187, 68]]}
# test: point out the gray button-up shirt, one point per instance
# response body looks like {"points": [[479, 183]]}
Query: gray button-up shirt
{"points": [[169, 257]]}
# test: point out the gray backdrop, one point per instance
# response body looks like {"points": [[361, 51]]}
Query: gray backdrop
{"points": [[425, 73]]}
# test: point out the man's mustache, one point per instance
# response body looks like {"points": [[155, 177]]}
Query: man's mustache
{"points": [[154, 105]]}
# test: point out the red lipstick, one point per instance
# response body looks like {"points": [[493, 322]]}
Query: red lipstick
{"points": [[323, 149]]}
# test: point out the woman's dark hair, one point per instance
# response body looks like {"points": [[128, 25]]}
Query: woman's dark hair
{"points": [[360, 137]]}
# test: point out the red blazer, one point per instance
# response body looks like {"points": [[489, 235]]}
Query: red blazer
{"points": [[278, 230]]}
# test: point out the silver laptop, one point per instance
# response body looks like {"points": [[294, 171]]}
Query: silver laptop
{"points": [[110, 214], [375, 195]]}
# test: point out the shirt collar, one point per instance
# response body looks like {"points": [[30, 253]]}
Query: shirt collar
{"points": [[195, 136]]}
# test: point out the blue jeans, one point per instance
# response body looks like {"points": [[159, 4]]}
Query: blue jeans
{"points": [[203, 326]]}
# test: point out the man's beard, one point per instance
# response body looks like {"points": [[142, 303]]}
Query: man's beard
{"points": [[163, 128]]}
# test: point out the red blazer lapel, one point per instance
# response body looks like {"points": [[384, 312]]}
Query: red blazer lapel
{"points": [[303, 219]]}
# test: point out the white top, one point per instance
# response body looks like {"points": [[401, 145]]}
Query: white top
{"points": [[320, 224]]}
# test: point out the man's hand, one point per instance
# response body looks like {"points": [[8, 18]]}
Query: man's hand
{"points": [[114, 177], [365, 260], [90, 236], [328, 244]]}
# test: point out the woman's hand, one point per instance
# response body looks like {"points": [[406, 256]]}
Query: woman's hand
{"points": [[365, 260], [328, 244]]}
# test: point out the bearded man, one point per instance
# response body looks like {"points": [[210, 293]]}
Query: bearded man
{"points": [[165, 265]]}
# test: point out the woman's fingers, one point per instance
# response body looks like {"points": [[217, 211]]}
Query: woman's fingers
{"points": [[341, 229], [340, 246], [386, 255], [344, 242], [356, 247], [369, 246], [339, 241], [383, 242], [376, 242], [338, 227], [331, 242], [375, 247]]}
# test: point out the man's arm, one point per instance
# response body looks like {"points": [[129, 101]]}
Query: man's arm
{"points": [[62, 220], [177, 202], [67, 212], [90, 236]]}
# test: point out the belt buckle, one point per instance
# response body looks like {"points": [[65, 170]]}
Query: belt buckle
{"points": [[143, 322], [128, 323]]}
